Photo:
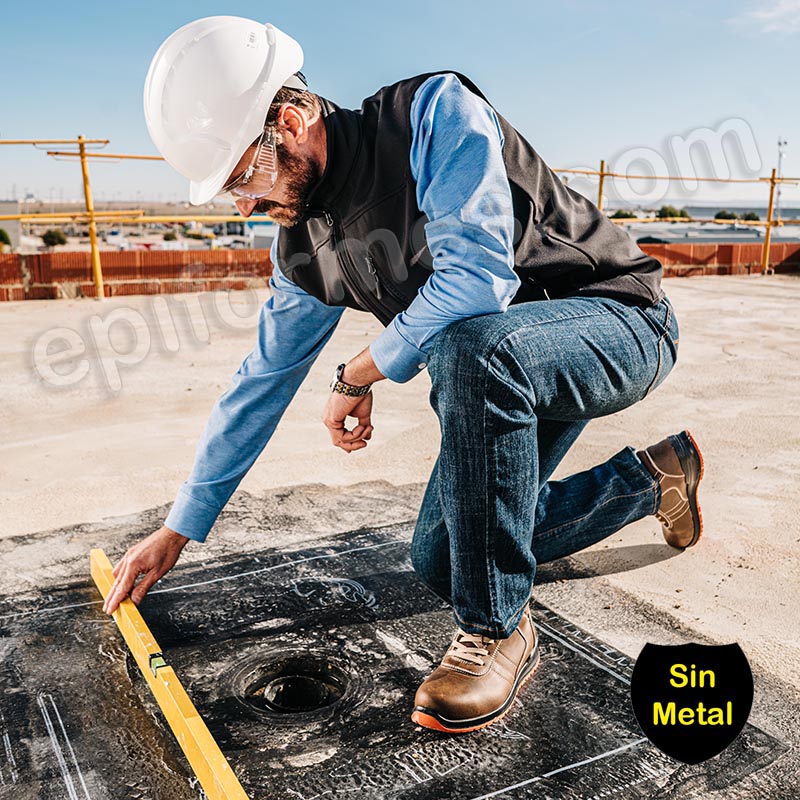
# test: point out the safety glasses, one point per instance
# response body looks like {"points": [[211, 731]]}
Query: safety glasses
{"points": [[260, 176]]}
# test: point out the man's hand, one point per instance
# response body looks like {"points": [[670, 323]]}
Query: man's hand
{"points": [[358, 372], [153, 557], [341, 406]]}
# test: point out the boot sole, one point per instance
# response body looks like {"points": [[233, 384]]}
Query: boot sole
{"points": [[691, 460], [428, 718]]}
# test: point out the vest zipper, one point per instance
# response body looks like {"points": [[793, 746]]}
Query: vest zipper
{"points": [[383, 286], [374, 273], [344, 260]]}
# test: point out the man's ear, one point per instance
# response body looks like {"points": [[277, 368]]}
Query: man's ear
{"points": [[292, 123]]}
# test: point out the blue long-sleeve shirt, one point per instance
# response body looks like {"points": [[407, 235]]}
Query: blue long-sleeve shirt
{"points": [[456, 160]]}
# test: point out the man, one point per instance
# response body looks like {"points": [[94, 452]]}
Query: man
{"points": [[531, 310]]}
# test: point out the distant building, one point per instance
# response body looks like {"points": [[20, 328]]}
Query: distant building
{"points": [[11, 226], [261, 234]]}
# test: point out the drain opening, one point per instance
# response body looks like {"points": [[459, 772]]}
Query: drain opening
{"points": [[295, 685]]}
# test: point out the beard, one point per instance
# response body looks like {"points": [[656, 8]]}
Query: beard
{"points": [[302, 174]]}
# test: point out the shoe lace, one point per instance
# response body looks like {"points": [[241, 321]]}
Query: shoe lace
{"points": [[470, 646]]}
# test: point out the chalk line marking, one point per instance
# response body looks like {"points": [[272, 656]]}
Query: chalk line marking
{"points": [[12, 764], [210, 581], [562, 769], [62, 764], [548, 632], [591, 643], [58, 750], [10, 756], [276, 566], [69, 745], [413, 774]]}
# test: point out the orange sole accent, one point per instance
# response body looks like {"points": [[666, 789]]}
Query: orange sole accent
{"points": [[697, 489], [428, 721]]}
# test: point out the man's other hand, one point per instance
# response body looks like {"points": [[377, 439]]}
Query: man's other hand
{"points": [[341, 406], [153, 557]]}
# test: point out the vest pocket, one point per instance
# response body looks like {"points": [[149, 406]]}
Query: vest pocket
{"points": [[547, 262], [380, 271], [585, 257]]}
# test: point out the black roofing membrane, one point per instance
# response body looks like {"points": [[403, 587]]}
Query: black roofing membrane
{"points": [[78, 721]]}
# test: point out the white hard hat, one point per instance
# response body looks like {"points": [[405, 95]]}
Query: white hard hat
{"points": [[208, 91]]}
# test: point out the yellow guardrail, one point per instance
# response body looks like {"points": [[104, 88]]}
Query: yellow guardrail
{"points": [[92, 216], [769, 223]]}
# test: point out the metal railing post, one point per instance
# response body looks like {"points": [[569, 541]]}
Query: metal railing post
{"points": [[600, 187], [765, 268], [97, 268]]}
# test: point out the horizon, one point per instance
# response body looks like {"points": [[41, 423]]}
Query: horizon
{"points": [[743, 205]]}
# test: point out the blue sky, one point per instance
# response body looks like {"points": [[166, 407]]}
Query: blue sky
{"points": [[581, 80]]}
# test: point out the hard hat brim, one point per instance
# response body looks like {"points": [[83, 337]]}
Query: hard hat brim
{"points": [[202, 192]]}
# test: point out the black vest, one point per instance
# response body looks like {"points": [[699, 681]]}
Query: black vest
{"points": [[361, 242]]}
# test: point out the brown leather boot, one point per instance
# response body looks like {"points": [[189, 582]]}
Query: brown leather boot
{"points": [[477, 680], [676, 462]]}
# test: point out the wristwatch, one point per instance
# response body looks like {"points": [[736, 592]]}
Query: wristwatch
{"points": [[338, 385]]}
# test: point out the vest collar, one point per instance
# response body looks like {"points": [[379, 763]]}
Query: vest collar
{"points": [[343, 132]]}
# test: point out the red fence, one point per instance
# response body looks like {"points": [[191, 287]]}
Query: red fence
{"points": [[52, 275], [720, 258]]}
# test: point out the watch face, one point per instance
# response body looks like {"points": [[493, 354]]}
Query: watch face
{"points": [[337, 375]]}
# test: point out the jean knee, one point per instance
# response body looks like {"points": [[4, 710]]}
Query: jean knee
{"points": [[446, 352], [462, 350]]}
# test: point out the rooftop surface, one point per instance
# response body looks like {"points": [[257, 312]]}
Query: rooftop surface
{"points": [[98, 462]]}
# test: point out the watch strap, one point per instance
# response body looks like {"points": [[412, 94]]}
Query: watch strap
{"points": [[339, 386]]}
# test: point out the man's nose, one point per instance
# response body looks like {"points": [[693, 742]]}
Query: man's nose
{"points": [[246, 205]]}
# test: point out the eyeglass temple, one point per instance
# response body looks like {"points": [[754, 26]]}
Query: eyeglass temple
{"points": [[296, 81]]}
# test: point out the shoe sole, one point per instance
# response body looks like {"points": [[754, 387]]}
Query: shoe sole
{"points": [[429, 718], [691, 460]]}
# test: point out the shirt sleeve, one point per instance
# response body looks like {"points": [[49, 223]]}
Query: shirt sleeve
{"points": [[462, 185], [292, 330]]}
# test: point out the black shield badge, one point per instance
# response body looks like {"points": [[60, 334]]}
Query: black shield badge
{"points": [[691, 700]]}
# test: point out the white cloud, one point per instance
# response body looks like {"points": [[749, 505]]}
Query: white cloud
{"points": [[771, 16]]}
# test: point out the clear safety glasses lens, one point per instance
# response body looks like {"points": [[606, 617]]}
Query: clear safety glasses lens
{"points": [[259, 179]]}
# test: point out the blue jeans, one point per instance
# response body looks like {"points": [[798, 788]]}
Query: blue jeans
{"points": [[512, 392]]}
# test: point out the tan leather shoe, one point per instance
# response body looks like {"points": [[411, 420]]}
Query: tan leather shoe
{"points": [[477, 680], [676, 462]]}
